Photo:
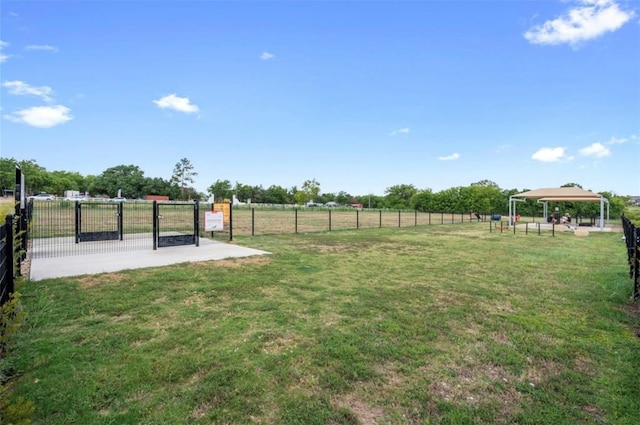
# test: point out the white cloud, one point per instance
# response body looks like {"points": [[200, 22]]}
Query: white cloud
{"points": [[266, 56], [41, 116], [404, 130], [20, 88], [180, 104], [451, 157], [3, 57], [549, 155], [616, 141], [45, 47], [596, 149], [587, 21]]}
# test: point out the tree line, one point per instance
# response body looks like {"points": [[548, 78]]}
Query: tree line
{"points": [[484, 196]]}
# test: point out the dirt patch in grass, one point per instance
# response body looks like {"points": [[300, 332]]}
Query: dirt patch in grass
{"points": [[232, 263], [541, 371], [634, 311], [366, 414], [280, 344], [121, 318], [101, 279]]}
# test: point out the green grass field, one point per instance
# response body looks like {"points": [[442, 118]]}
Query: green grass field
{"points": [[418, 325]]}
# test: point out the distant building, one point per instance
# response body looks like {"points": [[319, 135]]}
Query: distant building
{"points": [[156, 198]]}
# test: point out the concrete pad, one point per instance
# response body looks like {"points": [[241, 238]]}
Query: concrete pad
{"points": [[47, 268]]}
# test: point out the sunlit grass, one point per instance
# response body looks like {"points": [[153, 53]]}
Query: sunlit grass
{"points": [[438, 324]]}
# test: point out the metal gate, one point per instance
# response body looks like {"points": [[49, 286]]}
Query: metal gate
{"points": [[176, 224], [98, 221]]}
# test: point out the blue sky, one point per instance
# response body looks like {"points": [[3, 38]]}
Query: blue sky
{"points": [[359, 95]]}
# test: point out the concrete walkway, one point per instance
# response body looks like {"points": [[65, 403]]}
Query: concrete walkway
{"points": [[47, 268]]}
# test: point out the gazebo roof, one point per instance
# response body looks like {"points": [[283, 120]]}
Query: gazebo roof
{"points": [[571, 193]]}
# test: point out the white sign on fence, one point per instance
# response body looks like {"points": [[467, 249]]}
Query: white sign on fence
{"points": [[213, 221]]}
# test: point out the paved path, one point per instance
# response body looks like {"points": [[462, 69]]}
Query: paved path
{"points": [[46, 268]]}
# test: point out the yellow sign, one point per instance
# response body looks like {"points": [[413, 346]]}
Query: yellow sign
{"points": [[225, 208]]}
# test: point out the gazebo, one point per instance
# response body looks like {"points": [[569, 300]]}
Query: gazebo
{"points": [[558, 194]]}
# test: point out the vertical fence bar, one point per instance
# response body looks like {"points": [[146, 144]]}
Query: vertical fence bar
{"points": [[501, 226], [429, 212], [526, 228], [230, 220], [357, 219], [553, 228], [380, 225], [398, 218], [636, 268], [253, 221], [11, 262], [295, 211], [155, 225], [329, 220], [452, 218], [538, 228], [415, 220], [120, 220], [196, 221], [77, 221], [441, 218]]}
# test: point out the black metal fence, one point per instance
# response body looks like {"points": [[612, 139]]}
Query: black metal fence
{"points": [[262, 221], [632, 241], [14, 240], [7, 266]]}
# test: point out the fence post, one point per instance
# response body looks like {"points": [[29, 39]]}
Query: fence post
{"points": [[357, 219], [155, 225], [120, 220], [78, 218], [253, 221], [415, 218], [230, 220], [453, 218], [196, 221], [399, 219], [11, 260], [380, 219], [429, 212], [295, 211], [329, 219]]}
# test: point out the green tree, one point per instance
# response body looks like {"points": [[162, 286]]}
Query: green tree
{"points": [[220, 190], [127, 178], [276, 195], [160, 186], [398, 197], [243, 192], [183, 174], [309, 192], [60, 181], [423, 200]]}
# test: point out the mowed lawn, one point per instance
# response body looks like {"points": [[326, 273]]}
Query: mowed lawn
{"points": [[445, 324]]}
